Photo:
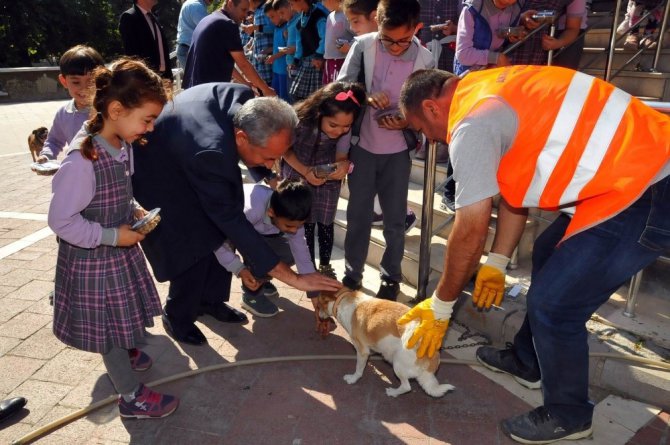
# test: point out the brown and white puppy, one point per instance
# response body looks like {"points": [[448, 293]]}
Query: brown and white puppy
{"points": [[36, 141], [372, 325]]}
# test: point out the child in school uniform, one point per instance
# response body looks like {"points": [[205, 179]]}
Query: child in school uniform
{"points": [[381, 156], [278, 57], [324, 118], [75, 65], [278, 215], [105, 296], [338, 40], [310, 46]]}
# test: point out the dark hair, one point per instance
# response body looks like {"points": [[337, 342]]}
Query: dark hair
{"points": [[323, 103], [268, 7], [292, 200], [393, 14], [360, 7], [422, 85], [79, 61], [278, 4], [128, 81]]}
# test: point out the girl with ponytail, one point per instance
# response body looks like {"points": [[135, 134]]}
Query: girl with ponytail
{"points": [[105, 296]]}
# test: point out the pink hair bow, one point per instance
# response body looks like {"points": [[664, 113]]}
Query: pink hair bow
{"points": [[342, 96]]}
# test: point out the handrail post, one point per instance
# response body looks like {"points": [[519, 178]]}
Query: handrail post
{"points": [[661, 34], [426, 221], [552, 33], [610, 54]]}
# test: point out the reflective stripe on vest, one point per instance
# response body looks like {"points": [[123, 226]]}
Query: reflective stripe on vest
{"points": [[582, 145]]}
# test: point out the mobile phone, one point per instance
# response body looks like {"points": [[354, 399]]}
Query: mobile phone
{"points": [[386, 112], [324, 170], [341, 42]]}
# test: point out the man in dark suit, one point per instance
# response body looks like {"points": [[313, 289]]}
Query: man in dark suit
{"points": [[144, 37], [189, 168]]}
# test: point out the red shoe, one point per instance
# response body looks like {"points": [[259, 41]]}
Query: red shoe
{"points": [[139, 361], [148, 404]]}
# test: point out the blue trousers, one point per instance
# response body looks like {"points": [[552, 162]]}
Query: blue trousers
{"points": [[571, 280]]}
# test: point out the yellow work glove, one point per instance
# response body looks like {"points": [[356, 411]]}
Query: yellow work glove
{"points": [[490, 282], [434, 315]]}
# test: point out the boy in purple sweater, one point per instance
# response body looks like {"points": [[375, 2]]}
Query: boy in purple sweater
{"points": [[279, 215], [76, 65]]}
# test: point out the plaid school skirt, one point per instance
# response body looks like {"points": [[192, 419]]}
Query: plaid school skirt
{"points": [[307, 80]]}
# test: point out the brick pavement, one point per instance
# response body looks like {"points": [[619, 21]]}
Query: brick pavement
{"points": [[286, 403]]}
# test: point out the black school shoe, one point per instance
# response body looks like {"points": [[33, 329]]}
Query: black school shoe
{"points": [[505, 360], [224, 313], [540, 426], [388, 290]]}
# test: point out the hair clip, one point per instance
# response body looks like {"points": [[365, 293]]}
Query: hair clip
{"points": [[342, 96]]}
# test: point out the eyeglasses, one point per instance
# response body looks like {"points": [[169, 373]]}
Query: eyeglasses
{"points": [[400, 43]]}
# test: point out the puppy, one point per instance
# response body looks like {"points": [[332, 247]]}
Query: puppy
{"points": [[371, 325], [36, 141]]}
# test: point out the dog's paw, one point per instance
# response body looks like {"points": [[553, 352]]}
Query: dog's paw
{"points": [[351, 378], [395, 392], [441, 390]]}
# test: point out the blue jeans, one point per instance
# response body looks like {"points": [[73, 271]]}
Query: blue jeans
{"points": [[182, 53], [570, 281]]}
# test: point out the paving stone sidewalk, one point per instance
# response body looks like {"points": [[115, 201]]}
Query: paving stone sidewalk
{"points": [[298, 403]]}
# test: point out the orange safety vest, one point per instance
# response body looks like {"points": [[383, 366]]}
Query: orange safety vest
{"points": [[582, 146]]}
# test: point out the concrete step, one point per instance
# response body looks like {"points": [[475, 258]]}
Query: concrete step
{"points": [[641, 84], [595, 58]]}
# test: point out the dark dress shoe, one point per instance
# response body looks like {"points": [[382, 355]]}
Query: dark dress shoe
{"points": [[11, 406], [190, 335], [224, 313]]}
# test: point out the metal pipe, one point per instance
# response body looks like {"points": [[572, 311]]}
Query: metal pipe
{"points": [[663, 107], [550, 54], [512, 47], [661, 34], [631, 299], [609, 62], [426, 220]]}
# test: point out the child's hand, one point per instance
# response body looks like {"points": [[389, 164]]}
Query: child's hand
{"points": [[312, 179], [379, 100], [140, 213], [128, 237], [317, 63], [270, 59], [526, 19], [344, 49], [248, 29], [341, 172], [42, 159], [248, 279]]}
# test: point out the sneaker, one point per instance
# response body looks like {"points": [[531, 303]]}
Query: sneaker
{"points": [[632, 42], [269, 290], [327, 270], [258, 304], [350, 283], [540, 426], [410, 221], [448, 202], [148, 404], [388, 290], [139, 360], [505, 360], [648, 42], [377, 219]]}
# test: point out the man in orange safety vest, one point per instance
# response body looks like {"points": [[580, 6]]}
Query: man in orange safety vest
{"points": [[556, 139]]}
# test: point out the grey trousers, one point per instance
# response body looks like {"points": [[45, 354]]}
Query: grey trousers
{"points": [[120, 373], [388, 177]]}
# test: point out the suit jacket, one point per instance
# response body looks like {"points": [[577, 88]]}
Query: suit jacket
{"points": [[189, 168], [138, 40]]}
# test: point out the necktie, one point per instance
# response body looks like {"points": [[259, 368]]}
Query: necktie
{"points": [[157, 38]]}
